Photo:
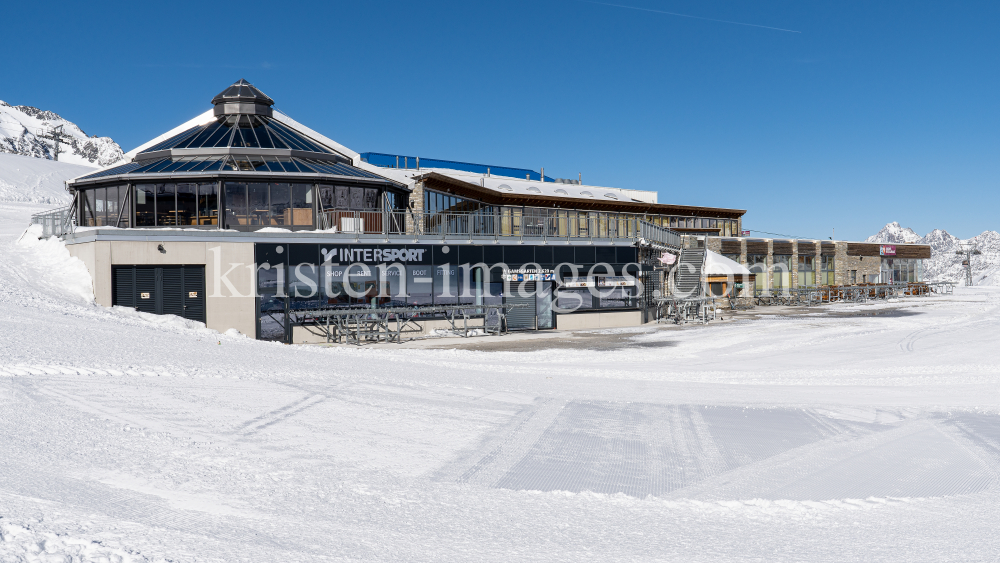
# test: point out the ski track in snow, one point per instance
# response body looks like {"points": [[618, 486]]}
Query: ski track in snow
{"points": [[129, 437]]}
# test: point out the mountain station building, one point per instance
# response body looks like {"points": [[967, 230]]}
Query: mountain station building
{"points": [[243, 216]]}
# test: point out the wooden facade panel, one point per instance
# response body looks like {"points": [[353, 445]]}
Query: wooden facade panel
{"points": [[757, 247], [783, 247], [913, 251], [806, 247], [902, 250], [862, 249], [828, 249], [731, 246]]}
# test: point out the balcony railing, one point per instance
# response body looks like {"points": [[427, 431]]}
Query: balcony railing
{"points": [[55, 223], [503, 223]]}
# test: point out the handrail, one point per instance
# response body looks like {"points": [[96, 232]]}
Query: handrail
{"points": [[56, 222], [498, 223]]}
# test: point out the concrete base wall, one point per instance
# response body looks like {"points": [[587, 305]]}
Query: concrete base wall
{"points": [[613, 319], [227, 305]]}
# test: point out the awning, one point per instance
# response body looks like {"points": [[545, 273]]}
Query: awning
{"points": [[719, 265]]}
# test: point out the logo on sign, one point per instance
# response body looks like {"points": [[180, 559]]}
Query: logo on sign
{"points": [[192, 294], [380, 254], [887, 250], [144, 295]]}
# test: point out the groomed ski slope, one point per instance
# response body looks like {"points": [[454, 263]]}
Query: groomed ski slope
{"points": [[830, 437]]}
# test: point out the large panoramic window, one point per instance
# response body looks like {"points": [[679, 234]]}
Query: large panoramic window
{"points": [[145, 205], [281, 196], [807, 270], [236, 205], [100, 207], [187, 204], [166, 205], [780, 272], [436, 202], [420, 285], [828, 270], [257, 204], [260, 204], [208, 204], [757, 264]]}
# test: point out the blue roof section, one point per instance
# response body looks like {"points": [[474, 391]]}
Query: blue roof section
{"points": [[410, 162]]}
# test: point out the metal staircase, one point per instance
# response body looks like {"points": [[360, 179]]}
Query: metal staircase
{"points": [[687, 279]]}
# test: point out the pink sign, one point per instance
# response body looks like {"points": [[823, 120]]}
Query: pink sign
{"points": [[887, 250]]}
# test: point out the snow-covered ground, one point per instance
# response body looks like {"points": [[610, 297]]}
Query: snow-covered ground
{"points": [[861, 433], [35, 180]]}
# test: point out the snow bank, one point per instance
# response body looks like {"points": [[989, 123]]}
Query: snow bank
{"points": [[25, 542], [48, 265]]}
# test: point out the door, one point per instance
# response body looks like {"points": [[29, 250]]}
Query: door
{"points": [[161, 290], [521, 293], [543, 304]]}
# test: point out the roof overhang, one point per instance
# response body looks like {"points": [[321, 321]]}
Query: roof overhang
{"points": [[238, 175], [239, 151], [488, 195]]}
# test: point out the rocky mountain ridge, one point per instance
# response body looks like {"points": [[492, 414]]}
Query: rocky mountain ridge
{"points": [[22, 131], [944, 264]]}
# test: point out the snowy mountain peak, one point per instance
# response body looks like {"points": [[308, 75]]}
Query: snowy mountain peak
{"points": [[893, 233], [23, 130], [944, 264]]}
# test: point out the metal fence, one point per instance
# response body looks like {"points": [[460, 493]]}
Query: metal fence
{"points": [[524, 224], [55, 223], [834, 294]]}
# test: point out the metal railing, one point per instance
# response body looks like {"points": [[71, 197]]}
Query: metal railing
{"points": [[503, 223], [685, 309], [389, 324], [55, 223], [657, 234], [833, 294]]}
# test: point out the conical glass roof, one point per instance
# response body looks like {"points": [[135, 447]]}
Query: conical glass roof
{"points": [[271, 146], [241, 131]]}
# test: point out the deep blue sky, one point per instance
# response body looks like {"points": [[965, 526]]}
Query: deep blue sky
{"points": [[873, 112]]}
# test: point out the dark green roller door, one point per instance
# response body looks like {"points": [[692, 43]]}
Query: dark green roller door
{"points": [[162, 290], [521, 318]]}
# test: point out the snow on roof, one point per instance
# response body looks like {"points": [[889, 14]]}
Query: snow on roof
{"points": [[719, 265], [199, 120], [354, 156], [521, 186]]}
